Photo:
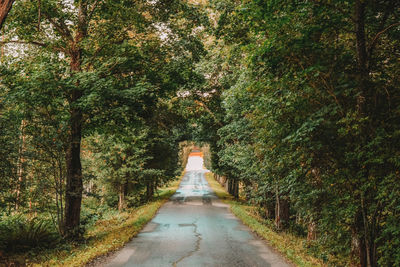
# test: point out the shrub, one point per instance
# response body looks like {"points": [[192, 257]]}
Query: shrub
{"points": [[20, 234]]}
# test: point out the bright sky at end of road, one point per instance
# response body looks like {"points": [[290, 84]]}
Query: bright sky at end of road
{"points": [[194, 163]]}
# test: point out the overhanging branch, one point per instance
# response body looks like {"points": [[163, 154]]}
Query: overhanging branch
{"points": [[374, 41], [36, 43]]}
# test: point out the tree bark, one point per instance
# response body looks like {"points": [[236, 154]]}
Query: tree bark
{"points": [[149, 189], [121, 200], [20, 167], [362, 55], [269, 206], [74, 186], [281, 211], [358, 247], [361, 247], [5, 7], [277, 209], [235, 192], [362, 231], [311, 231], [230, 186]]}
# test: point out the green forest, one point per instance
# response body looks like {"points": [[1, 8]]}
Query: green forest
{"points": [[296, 105]]}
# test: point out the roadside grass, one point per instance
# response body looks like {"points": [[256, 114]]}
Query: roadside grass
{"points": [[107, 235], [289, 245]]}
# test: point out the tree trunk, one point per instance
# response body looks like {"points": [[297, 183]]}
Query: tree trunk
{"points": [[235, 188], [149, 189], [74, 187], [61, 193], [5, 7], [363, 231], [121, 201], [281, 211], [284, 210], [230, 186], [277, 209], [269, 206], [362, 55], [360, 242], [311, 231], [358, 248], [20, 167]]}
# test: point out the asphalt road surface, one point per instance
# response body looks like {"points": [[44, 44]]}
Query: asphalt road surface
{"points": [[195, 229]]}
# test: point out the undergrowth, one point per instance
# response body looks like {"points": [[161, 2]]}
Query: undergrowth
{"points": [[20, 234], [109, 233]]}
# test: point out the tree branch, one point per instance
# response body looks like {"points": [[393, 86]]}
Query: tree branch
{"points": [[373, 43], [60, 27], [57, 49], [91, 12], [202, 104]]}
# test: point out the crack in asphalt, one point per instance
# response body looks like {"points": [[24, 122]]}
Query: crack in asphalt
{"points": [[197, 244]]}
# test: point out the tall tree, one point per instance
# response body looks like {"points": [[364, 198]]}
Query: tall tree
{"points": [[99, 41], [318, 96]]}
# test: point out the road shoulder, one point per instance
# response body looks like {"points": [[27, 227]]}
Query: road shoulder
{"points": [[285, 244]]}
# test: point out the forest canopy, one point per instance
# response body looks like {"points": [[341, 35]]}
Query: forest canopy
{"points": [[297, 104]]}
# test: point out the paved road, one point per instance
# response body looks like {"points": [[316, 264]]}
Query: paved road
{"points": [[195, 229]]}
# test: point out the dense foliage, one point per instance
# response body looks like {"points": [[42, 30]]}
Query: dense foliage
{"points": [[88, 120], [298, 103], [306, 117]]}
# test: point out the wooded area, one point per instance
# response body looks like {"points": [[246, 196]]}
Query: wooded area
{"points": [[296, 102]]}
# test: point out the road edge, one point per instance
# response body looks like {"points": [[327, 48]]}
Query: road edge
{"points": [[282, 243], [105, 246]]}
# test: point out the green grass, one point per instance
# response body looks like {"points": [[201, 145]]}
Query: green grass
{"points": [[287, 244], [107, 235]]}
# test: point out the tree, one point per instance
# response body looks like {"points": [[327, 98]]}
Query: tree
{"points": [[95, 41], [313, 115], [5, 7]]}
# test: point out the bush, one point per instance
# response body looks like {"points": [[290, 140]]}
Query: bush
{"points": [[89, 217], [20, 234], [297, 229], [135, 199]]}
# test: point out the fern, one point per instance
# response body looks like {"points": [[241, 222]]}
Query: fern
{"points": [[20, 234]]}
